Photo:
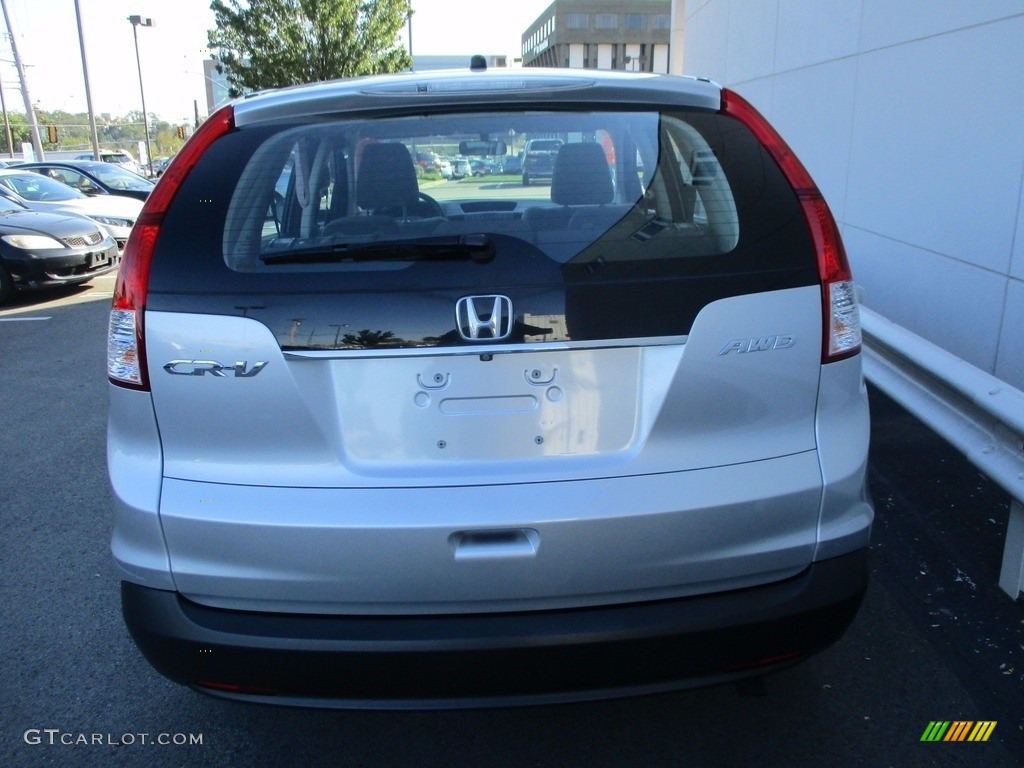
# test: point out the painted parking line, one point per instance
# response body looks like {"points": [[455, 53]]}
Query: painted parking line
{"points": [[21, 319]]}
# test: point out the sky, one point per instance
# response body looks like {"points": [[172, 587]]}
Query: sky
{"points": [[171, 52]]}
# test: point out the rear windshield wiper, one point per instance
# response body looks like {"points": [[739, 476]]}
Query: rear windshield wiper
{"points": [[479, 248]]}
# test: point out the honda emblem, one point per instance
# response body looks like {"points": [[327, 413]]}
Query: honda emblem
{"points": [[484, 318]]}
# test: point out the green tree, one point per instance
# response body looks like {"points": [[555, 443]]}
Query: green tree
{"points": [[20, 133], [275, 43], [367, 339]]}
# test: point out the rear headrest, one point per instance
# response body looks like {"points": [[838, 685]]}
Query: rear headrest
{"points": [[581, 176], [386, 177]]}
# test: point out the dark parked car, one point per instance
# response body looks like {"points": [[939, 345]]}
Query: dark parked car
{"points": [[483, 167], [39, 250], [428, 161], [94, 178], [512, 164], [539, 159], [160, 165]]}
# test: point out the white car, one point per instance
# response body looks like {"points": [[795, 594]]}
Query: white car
{"points": [[119, 157], [116, 214]]}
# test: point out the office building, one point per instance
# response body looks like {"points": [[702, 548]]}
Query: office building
{"points": [[601, 34]]}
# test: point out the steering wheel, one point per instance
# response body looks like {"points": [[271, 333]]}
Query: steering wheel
{"points": [[425, 207]]}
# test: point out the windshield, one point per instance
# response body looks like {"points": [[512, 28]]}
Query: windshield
{"points": [[119, 178], [615, 186], [37, 188], [9, 206]]}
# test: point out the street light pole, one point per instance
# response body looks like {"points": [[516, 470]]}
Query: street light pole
{"points": [[142, 21], [88, 91]]}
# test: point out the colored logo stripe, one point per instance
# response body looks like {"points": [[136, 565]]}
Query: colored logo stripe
{"points": [[982, 730], [958, 730]]}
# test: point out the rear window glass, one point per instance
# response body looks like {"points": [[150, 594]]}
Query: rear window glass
{"points": [[644, 208], [624, 186], [643, 217]]}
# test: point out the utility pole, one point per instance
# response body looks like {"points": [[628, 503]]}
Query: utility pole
{"points": [[88, 92], [30, 113]]}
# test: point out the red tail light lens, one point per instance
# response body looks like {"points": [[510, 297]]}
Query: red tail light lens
{"points": [[126, 350], [840, 316]]}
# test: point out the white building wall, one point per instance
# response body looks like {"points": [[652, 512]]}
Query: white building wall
{"points": [[910, 116]]}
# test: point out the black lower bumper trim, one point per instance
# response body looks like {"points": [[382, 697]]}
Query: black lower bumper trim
{"points": [[369, 661]]}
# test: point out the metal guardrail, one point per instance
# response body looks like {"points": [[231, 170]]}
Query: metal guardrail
{"points": [[980, 415]]}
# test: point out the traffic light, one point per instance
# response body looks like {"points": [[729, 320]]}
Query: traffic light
{"points": [[181, 131], [51, 134]]}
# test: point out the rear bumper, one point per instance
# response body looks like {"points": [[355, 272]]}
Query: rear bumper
{"points": [[495, 659]]}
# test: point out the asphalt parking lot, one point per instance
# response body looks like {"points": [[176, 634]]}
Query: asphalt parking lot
{"points": [[935, 640]]}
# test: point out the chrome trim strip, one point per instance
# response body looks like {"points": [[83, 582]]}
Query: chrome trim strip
{"points": [[483, 349]]}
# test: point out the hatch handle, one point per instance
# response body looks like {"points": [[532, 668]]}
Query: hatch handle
{"points": [[491, 544]]}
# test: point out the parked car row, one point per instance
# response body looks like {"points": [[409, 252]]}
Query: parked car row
{"points": [[38, 192], [461, 167], [64, 222]]}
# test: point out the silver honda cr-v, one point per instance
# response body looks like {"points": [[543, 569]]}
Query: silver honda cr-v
{"points": [[380, 440]]}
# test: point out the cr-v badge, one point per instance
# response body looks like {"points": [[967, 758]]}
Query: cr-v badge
{"points": [[480, 318], [212, 367]]}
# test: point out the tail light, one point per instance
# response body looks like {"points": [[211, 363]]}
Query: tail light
{"points": [[840, 316], [126, 350]]}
